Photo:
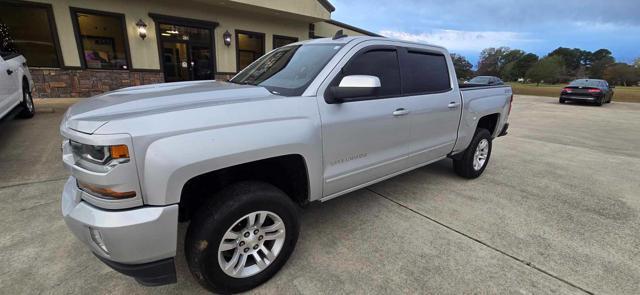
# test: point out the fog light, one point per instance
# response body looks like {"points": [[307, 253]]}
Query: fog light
{"points": [[96, 237]]}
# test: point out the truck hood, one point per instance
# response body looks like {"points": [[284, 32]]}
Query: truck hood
{"points": [[90, 114]]}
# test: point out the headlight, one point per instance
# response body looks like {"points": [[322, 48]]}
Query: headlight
{"points": [[99, 158]]}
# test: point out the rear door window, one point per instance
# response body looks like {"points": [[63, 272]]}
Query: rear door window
{"points": [[425, 72], [382, 63]]}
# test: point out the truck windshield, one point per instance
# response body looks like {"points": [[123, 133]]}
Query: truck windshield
{"points": [[288, 70]]}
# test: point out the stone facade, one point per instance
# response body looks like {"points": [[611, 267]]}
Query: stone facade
{"points": [[57, 83]]}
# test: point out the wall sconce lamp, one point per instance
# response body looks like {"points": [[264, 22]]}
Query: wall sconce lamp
{"points": [[227, 38], [142, 29]]}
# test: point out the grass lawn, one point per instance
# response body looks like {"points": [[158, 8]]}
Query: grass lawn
{"points": [[620, 93]]}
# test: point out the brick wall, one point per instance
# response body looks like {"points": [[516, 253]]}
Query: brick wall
{"points": [[58, 83]]}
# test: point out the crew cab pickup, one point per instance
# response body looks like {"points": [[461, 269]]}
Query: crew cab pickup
{"points": [[307, 122]]}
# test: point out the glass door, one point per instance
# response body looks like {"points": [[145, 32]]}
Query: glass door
{"points": [[175, 61], [201, 62], [187, 53]]}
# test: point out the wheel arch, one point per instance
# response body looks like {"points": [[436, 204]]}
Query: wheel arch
{"points": [[489, 122], [288, 173]]}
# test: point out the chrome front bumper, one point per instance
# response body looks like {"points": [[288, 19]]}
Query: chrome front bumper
{"points": [[133, 236]]}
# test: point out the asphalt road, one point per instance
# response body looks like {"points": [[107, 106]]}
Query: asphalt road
{"points": [[556, 211]]}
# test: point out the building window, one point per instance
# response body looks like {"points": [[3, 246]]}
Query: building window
{"points": [[249, 47], [102, 40], [29, 29], [279, 41]]}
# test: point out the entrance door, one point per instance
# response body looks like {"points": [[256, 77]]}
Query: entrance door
{"points": [[201, 62], [175, 61], [187, 52]]}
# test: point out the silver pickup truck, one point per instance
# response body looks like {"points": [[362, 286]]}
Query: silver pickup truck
{"points": [[306, 122]]}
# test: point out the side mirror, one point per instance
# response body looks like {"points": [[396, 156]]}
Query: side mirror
{"points": [[353, 86]]}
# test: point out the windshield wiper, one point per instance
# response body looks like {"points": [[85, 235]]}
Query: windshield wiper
{"points": [[241, 83]]}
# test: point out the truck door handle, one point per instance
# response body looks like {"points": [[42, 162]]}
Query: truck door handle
{"points": [[400, 112], [9, 72], [453, 105]]}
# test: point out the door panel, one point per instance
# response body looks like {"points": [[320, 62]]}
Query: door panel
{"points": [[363, 140], [435, 105], [434, 126]]}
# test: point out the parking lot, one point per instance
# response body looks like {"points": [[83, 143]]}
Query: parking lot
{"points": [[556, 211]]}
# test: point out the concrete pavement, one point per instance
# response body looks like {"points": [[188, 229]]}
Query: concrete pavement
{"points": [[557, 211]]}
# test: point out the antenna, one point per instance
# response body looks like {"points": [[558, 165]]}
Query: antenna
{"points": [[339, 34]]}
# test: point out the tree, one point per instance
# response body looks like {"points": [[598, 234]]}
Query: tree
{"points": [[571, 58], [510, 56], [508, 72], [523, 64], [601, 59], [464, 69], [600, 54], [636, 63], [496, 61], [490, 63], [507, 64], [547, 70], [621, 74]]}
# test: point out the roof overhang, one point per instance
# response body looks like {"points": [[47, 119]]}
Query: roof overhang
{"points": [[303, 10]]}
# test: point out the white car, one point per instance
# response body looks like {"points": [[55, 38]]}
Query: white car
{"points": [[15, 85]]}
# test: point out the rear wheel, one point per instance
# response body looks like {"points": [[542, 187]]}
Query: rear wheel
{"points": [[28, 108], [242, 237], [561, 100], [599, 101], [472, 162]]}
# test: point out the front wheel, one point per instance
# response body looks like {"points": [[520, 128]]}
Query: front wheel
{"points": [[472, 162], [242, 237]]}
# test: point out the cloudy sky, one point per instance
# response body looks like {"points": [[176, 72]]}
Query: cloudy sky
{"points": [[466, 27]]}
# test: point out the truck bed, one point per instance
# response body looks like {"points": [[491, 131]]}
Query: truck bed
{"points": [[477, 102]]}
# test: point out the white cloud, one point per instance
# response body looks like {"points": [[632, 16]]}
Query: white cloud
{"points": [[461, 40]]}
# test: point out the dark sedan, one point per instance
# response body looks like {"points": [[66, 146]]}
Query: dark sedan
{"points": [[485, 80], [587, 90]]}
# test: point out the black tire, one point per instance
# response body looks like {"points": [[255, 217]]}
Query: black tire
{"points": [[599, 102], [463, 163], [561, 100], [28, 108], [222, 211]]}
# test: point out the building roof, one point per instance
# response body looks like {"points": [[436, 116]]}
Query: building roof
{"points": [[350, 27], [327, 5]]}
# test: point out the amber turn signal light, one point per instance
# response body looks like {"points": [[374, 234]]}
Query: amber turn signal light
{"points": [[119, 151], [105, 192]]}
